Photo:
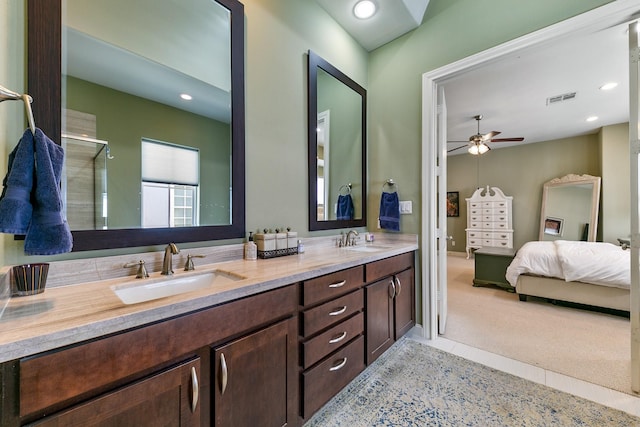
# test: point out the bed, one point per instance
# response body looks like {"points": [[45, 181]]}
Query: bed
{"points": [[591, 273]]}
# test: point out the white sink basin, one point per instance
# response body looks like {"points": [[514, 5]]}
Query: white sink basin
{"points": [[367, 248], [142, 290]]}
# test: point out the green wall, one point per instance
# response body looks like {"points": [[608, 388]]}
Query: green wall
{"points": [[519, 172], [451, 30], [278, 35]]}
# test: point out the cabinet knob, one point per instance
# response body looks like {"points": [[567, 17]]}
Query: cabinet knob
{"points": [[398, 286]]}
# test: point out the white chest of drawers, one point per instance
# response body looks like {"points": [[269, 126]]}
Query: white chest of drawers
{"points": [[489, 219]]}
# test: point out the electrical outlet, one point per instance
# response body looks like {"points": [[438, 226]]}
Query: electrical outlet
{"points": [[406, 207], [453, 243]]}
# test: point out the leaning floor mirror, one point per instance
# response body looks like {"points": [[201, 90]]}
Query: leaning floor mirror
{"points": [[570, 208]]}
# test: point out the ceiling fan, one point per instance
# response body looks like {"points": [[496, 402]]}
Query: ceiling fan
{"points": [[477, 143]]}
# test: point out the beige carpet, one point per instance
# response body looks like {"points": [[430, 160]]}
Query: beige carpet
{"points": [[590, 346]]}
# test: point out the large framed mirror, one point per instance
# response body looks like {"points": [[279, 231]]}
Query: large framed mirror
{"points": [[151, 118], [337, 126], [570, 208]]}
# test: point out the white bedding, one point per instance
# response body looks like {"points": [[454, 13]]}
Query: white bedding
{"points": [[590, 262]]}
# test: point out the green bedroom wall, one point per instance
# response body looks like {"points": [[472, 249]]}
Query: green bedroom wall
{"points": [[278, 35], [519, 172]]}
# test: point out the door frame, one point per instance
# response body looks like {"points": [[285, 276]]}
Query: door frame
{"points": [[609, 14]]}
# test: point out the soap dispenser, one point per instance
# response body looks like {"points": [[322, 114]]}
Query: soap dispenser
{"points": [[250, 248]]}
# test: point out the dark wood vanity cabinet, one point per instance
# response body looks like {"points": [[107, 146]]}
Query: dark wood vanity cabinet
{"points": [[270, 359], [332, 341], [255, 379], [170, 397], [390, 302], [166, 368]]}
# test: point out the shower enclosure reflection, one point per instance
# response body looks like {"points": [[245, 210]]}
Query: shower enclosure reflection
{"points": [[84, 182]]}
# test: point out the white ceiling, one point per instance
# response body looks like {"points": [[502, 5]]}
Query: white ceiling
{"points": [[512, 92], [392, 19]]}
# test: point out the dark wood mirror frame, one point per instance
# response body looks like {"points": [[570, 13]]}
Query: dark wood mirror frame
{"points": [[315, 62], [44, 74]]}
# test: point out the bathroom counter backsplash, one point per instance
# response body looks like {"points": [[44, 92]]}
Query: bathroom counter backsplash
{"points": [[78, 303]]}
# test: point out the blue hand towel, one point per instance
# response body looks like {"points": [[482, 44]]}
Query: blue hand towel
{"points": [[390, 211], [345, 207], [15, 205], [48, 232]]}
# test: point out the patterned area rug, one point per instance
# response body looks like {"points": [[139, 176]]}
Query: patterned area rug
{"points": [[413, 384]]}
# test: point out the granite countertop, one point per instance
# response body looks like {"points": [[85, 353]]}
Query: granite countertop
{"points": [[65, 315]]}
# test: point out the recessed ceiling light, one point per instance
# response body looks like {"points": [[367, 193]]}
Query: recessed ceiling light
{"points": [[186, 96], [592, 118], [364, 9], [608, 86]]}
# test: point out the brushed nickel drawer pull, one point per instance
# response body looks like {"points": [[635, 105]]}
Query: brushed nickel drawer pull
{"points": [[338, 284], [339, 365], [398, 286], [392, 289], [224, 376], [338, 338], [194, 389], [338, 311]]}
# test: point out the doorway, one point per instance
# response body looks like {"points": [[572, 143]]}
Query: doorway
{"points": [[434, 154]]}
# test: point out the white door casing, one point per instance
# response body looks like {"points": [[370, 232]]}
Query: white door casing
{"points": [[612, 13], [634, 156]]}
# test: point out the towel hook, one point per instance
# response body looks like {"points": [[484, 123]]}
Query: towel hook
{"points": [[9, 95], [390, 183], [347, 187]]}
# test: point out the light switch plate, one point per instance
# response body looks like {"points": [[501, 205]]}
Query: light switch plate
{"points": [[406, 207]]}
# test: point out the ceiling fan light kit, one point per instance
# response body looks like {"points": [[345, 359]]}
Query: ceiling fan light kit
{"points": [[477, 143], [477, 149]]}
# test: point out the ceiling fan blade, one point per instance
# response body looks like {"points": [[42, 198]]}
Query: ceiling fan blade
{"points": [[457, 142], [490, 135], [457, 148], [507, 139]]}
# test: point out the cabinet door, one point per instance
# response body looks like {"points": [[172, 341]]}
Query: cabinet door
{"points": [[405, 310], [379, 312], [255, 378], [169, 398]]}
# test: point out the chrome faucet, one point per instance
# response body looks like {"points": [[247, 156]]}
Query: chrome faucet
{"points": [[167, 263], [349, 241]]}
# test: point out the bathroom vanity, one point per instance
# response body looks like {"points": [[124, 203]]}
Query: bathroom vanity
{"points": [[269, 349]]}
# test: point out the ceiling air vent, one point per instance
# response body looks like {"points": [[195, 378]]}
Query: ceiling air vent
{"points": [[560, 98]]}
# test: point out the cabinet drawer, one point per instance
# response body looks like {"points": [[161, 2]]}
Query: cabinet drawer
{"points": [[475, 205], [331, 312], [325, 380], [327, 342], [388, 266], [331, 285]]}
